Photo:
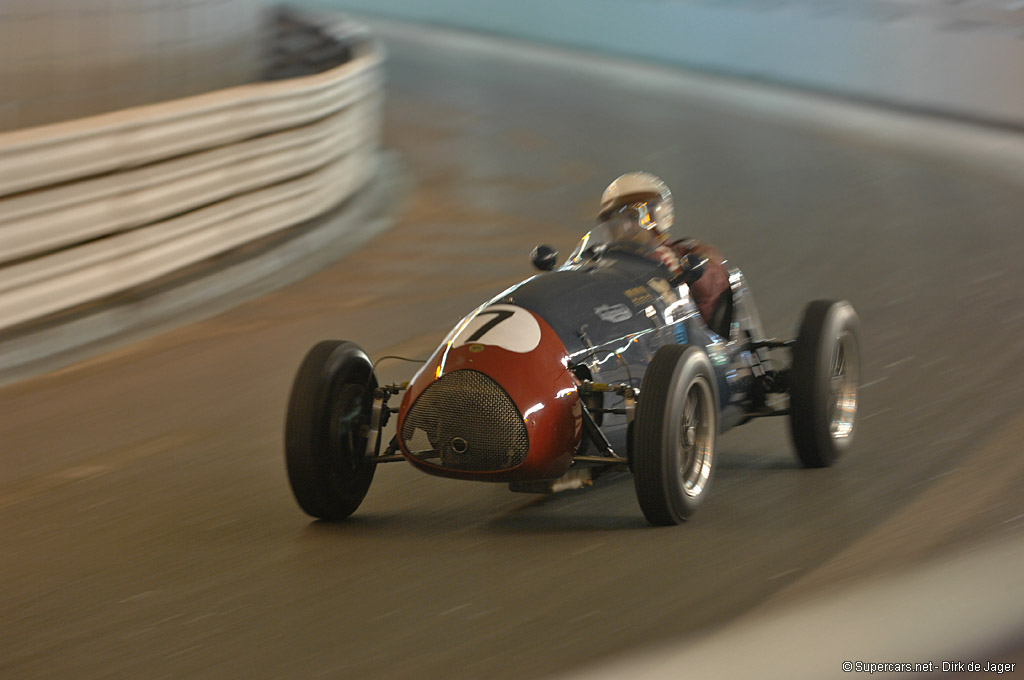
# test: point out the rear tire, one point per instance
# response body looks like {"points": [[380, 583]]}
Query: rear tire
{"points": [[823, 382], [675, 434], [329, 406]]}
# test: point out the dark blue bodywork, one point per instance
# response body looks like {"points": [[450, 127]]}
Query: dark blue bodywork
{"points": [[614, 312]]}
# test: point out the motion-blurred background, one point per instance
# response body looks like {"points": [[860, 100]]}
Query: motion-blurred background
{"points": [[67, 60], [194, 193]]}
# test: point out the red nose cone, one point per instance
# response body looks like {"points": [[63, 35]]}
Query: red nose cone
{"points": [[494, 403]]}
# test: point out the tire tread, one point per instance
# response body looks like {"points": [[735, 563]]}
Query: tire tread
{"points": [[654, 487], [809, 422], [307, 454]]}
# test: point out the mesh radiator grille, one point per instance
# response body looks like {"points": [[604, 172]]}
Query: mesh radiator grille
{"points": [[466, 421]]}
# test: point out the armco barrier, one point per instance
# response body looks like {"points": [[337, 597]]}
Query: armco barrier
{"points": [[36, 222], [96, 206]]}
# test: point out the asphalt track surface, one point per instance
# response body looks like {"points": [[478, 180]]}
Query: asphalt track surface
{"points": [[146, 522]]}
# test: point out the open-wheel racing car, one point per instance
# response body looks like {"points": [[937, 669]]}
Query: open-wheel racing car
{"points": [[604, 363]]}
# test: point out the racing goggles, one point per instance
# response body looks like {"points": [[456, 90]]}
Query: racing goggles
{"points": [[633, 220]]}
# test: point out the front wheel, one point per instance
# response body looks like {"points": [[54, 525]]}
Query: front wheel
{"points": [[325, 444], [823, 382], [675, 433]]}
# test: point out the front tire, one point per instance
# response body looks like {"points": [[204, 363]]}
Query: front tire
{"points": [[675, 434], [823, 382], [325, 444]]}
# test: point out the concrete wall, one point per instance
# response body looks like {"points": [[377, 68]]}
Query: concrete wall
{"points": [[64, 59], [964, 59]]}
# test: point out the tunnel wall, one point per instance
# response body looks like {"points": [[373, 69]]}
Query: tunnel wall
{"points": [[904, 54], [94, 210], [64, 59]]}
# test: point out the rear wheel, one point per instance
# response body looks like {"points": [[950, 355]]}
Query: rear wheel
{"points": [[325, 444], [675, 434], [823, 382]]}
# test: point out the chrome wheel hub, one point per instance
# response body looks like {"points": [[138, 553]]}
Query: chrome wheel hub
{"points": [[843, 377], [696, 438]]}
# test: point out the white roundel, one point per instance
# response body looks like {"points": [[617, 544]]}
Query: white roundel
{"points": [[506, 326]]}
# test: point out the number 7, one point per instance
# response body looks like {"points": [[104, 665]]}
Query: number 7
{"points": [[499, 316]]}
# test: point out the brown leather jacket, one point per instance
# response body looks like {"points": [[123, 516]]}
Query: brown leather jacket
{"points": [[708, 288]]}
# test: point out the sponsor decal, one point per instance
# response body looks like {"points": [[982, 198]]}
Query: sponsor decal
{"points": [[613, 313], [640, 296]]}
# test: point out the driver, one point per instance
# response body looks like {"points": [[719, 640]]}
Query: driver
{"points": [[637, 210]]}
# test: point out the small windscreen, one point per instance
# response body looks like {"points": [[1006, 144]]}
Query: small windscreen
{"points": [[617, 231]]}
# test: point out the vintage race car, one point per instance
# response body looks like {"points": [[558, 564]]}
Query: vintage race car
{"points": [[604, 363]]}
